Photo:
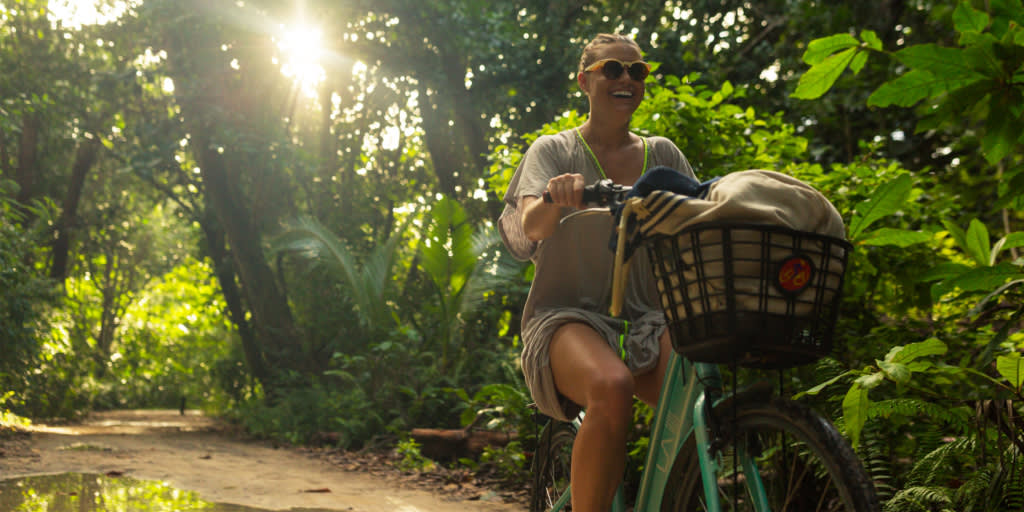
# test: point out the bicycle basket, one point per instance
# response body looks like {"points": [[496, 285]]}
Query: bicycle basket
{"points": [[762, 296]]}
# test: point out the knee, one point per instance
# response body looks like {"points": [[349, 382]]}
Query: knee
{"points": [[611, 395]]}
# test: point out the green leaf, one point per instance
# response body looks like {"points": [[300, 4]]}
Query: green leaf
{"points": [[978, 243], [855, 412], [887, 199], [905, 91], [943, 271], [896, 237], [1001, 131], [908, 353], [819, 49], [820, 78], [871, 39], [944, 63], [968, 19], [1010, 241], [897, 372], [817, 389], [871, 380], [981, 279], [858, 62], [959, 236], [1012, 369]]}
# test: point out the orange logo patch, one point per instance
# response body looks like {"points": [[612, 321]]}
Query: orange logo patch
{"points": [[795, 274]]}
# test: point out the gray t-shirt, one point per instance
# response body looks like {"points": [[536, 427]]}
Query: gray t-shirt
{"points": [[573, 267]]}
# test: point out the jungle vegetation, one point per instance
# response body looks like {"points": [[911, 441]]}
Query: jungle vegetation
{"points": [[283, 211]]}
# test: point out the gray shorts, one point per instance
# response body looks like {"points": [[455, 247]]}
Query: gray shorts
{"points": [[641, 345]]}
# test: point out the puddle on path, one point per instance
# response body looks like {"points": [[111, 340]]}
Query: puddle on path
{"points": [[77, 492]]}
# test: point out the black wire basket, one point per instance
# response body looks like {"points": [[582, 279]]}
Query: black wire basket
{"points": [[757, 295]]}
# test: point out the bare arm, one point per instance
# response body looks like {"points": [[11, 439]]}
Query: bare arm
{"points": [[540, 219]]}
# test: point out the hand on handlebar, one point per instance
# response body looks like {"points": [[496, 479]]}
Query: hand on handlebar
{"points": [[565, 190], [602, 193]]}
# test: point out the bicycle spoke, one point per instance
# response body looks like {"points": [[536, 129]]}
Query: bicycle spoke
{"points": [[802, 463]]}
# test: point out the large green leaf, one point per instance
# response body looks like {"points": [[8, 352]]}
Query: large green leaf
{"points": [[896, 237], [978, 245], [1012, 369], [981, 279], [1002, 129], [819, 79], [944, 63], [906, 90], [820, 49], [886, 200], [907, 353], [943, 271], [855, 411], [447, 252], [958, 234], [968, 19]]}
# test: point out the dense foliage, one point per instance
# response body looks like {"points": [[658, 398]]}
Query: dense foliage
{"points": [[191, 211]]}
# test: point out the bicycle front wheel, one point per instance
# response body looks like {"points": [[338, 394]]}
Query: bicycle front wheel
{"points": [[550, 469], [802, 460]]}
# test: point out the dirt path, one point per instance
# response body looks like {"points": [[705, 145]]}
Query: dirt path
{"points": [[195, 453]]}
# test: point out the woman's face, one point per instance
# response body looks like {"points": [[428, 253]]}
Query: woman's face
{"points": [[621, 95]]}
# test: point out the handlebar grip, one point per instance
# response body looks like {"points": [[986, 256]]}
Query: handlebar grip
{"points": [[590, 195]]}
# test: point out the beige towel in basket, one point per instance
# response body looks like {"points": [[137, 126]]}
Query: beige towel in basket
{"points": [[749, 197]]}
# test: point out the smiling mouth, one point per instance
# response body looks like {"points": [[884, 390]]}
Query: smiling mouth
{"points": [[622, 94]]}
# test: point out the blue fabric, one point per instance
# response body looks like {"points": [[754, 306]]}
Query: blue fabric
{"points": [[657, 178], [666, 178]]}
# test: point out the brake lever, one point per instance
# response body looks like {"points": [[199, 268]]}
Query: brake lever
{"points": [[606, 193]]}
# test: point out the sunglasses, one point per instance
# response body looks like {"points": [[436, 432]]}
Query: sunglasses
{"points": [[613, 68]]}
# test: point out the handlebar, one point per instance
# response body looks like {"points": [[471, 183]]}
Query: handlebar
{"points": [[602, 193]]}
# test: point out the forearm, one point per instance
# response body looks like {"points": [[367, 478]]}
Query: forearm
{"points": [[540, 219]]}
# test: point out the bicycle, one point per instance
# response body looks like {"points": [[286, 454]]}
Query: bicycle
{"points": [[711, 449]]}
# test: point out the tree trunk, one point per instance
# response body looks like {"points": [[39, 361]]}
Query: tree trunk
{"points": [[441, 143], [225, 272], [272, 322], [85, 158]]}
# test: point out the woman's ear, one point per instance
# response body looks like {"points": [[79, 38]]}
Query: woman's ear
{"points": [[581, 80]]}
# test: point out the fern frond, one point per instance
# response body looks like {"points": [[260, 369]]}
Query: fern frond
{"points": [[937, 467], [874, 452], [971, 495], [924, 499], [1007, 489], [959, 417]]}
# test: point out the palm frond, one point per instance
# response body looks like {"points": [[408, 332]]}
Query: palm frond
{"points": [[367, 281], [494, 268]]}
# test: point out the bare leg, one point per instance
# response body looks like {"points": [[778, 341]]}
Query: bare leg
{"points": [[590, 373]]}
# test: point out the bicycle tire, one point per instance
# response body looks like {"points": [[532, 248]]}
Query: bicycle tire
{"points": [[551, 465], [805, 464]]}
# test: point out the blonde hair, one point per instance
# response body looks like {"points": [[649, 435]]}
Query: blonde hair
{"points": [[599, 40]]}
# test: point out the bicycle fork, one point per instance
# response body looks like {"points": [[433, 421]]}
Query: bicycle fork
{"points": [[710, 437]]}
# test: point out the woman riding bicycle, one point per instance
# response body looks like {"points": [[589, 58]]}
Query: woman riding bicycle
{"points": [[574, 354]]}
